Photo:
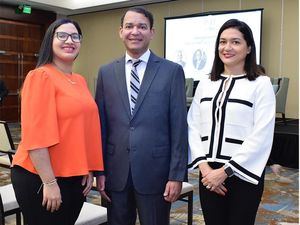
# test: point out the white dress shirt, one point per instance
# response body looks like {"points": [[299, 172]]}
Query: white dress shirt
{"points": [[141, 68]]}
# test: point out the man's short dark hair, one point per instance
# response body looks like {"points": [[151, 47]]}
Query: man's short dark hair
{"points": [[141, 10]]}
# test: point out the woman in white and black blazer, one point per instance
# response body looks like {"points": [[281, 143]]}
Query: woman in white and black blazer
{"points": [[231, 126]]}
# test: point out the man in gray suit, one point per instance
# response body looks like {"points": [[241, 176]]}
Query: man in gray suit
{"points": [[143, 117]]}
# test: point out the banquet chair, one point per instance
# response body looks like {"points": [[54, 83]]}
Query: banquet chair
{"points": [[186, 195], [189, 89], [281, 86], [92, 214], [2, 217], [8, 203], [7, 148]]}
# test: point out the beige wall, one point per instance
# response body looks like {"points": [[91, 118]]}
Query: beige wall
{"points": [[280, 42]]}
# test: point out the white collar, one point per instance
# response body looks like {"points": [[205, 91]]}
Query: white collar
{"points": [[144, 57], [233, 76]]}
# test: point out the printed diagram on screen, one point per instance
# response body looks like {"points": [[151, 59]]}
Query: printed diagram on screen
{"points": [[199, 59]]}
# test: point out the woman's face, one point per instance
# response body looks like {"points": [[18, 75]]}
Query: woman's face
{"points": [[233, 49], [66, 47]]}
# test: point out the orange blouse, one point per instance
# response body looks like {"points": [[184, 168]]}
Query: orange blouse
{"points": [[59, 113]]}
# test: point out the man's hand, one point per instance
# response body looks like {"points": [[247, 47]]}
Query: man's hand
{"points": [[172, 191], [101, 187]]}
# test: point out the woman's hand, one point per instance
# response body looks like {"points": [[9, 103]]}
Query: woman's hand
{"points": [[204, 169], [51, 192], [87, 181], [214, 181], [51, 197]]}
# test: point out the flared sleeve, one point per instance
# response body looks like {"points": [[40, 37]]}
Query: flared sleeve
{"points": [[196, 151], [38, 115], [250, 161]]}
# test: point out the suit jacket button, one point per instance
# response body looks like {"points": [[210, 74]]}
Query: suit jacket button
{"points": [[131, 128]]}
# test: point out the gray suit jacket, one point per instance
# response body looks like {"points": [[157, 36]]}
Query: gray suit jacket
{"points": [[152, 142]]}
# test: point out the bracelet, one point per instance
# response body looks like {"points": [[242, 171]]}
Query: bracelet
{"points": [[54, 181], [50, 182]]}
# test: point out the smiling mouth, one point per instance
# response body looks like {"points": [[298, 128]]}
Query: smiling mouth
{"points": [[228, 55], [68, 49], [135, 40]]}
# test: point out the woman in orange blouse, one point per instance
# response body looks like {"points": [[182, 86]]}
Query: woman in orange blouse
{"points": [[61, 140]]}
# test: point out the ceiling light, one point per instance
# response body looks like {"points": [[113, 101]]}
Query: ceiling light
{"points": [[77, 4]]}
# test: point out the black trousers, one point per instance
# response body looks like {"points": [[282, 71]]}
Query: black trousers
{"points": [[239, 205], [152, 209], [26, 186]]}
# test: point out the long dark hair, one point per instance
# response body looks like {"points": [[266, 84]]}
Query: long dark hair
{"points": [[250, 67], [46, 51]]}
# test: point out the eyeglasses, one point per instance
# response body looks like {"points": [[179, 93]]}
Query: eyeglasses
{"points": [[63, 36]]}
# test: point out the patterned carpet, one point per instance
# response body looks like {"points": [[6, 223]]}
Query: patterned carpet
{"points": [[279, 204]]}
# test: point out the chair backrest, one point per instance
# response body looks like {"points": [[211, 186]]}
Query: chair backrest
{"points": [[189, 87], [281, 94], [2, 219], [272, 79], [9, 205], [6, 142]]}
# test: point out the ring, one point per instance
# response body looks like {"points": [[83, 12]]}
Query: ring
{"points": [[207, 187]]}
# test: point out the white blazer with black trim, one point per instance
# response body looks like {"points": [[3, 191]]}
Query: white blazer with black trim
{"points": [[231, 121]]}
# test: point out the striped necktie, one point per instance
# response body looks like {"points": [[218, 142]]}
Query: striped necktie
{"points": [[134, 84]]}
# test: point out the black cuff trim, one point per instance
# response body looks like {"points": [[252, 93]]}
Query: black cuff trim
{"points": [[243, 170]]}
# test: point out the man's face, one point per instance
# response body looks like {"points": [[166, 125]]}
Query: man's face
{"points": [[136, 33]]}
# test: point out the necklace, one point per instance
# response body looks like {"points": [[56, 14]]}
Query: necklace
{"points": [[65, 75], [69, 79]]}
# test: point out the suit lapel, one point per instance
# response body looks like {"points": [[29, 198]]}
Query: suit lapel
{"points": [[151, 70], [119, 72]]}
